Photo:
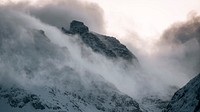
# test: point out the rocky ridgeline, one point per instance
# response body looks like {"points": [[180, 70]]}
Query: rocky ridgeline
{"points": [[187, 99], [108, 46]]}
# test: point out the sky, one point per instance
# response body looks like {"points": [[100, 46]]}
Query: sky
{"points": [[146, 17]]}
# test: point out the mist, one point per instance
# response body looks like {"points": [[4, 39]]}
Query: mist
{"points": [[29, 57], [174, 57]]}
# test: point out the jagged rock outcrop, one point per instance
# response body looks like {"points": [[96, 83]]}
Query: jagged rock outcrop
{"points": [[78, 27], [108, 46], [187, 99], [97, 45]]}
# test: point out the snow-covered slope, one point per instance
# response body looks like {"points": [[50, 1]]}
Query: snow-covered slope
{"points": [[187, 99], [52, 99]]}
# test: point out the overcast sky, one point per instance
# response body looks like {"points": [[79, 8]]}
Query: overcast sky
{"points": [[146, 17]]}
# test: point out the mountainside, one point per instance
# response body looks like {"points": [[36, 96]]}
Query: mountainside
{"points": [[53, 99], [39, 75], [187, 99]]}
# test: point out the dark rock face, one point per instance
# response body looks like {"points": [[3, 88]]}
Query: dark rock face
{"points": [[97, 45], [108, 46], [116, 47], [187, 99], [18, 98], [78, 27]]}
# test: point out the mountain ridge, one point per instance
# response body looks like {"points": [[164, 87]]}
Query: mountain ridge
{"points": [[106, 45]]}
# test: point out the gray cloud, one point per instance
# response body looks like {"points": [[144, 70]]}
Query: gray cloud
{"points": [[180, 33], [60, 13], [182, 42], [174, 59]]}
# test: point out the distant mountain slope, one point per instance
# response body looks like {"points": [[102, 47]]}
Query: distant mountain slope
{"points": [[187, 99]]}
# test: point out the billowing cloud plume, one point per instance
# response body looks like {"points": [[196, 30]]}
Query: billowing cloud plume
{"points": [[60, 13], [182, 41], [173, 59], [182, 32]]}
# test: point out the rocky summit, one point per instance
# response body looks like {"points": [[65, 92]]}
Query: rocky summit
{"points": [[78, 27], [106, 45]]}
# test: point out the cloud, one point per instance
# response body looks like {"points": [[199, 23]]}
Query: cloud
{"points": [[182, 42], [182, 32], [173, 59], [60, 13]]}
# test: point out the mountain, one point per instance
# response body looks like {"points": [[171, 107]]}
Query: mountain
{"points": [[186, 99], [108, 46], [39, 75]]}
